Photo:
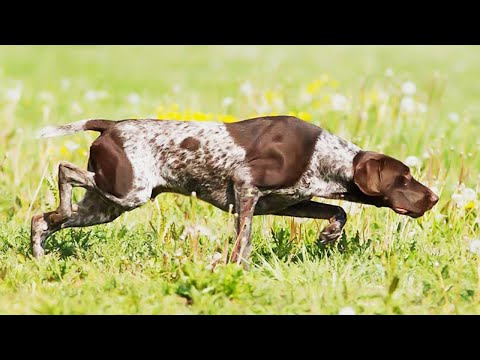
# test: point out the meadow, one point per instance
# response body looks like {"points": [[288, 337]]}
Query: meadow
{"points": [[416, 103]]}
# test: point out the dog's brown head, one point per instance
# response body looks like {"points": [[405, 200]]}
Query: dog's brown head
{"points": [[391, 184]]}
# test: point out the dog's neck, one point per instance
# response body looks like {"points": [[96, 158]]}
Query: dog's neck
{"points": [[330, 171]]}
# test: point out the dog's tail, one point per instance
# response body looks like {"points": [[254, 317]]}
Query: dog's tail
{"points": [[82, 125]]}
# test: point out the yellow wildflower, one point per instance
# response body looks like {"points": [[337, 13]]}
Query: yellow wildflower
{"points": [[305, 116], [171, 115], [314, 86], [174, 107], [64, 151], [226, 118], [187, 114], [160, 110], [470, 205], [199, 116], [372, 95]]}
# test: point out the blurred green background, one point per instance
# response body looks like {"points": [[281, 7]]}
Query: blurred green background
{"points": [[416, 103]]}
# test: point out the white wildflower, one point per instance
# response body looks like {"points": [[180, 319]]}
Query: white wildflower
{"points": [[347, 311], [217, 256], [179, 252], [407, 105], [413, 161], [339, 102], [383, 96], [46, 112], [422, 108], [278, 103], [133, 98], [213, 260], [76, 108], [465, 197], [426, 155], [71, 145], [46, 96], [65, 84], [263, 108], [176, 89], [409, 88], [474, 246], [90, 95], [306, 97], [383, 109], [14, 95], [246, 88], [227, 101], [198, 230], [93, 95], [412, 233], [389, 72], [453, 117]]}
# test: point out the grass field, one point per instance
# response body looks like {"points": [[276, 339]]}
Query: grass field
{"points": [[417, 103]]}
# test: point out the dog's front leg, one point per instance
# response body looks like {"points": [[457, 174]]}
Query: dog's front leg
{"points": [[311, 209], [246, 198]]}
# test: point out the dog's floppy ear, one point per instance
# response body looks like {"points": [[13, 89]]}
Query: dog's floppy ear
{"points": [[367, 172]]}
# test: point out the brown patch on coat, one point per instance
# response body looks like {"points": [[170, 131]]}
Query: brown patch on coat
{"points": [[278, 148], [113, 171], [190, 144]]}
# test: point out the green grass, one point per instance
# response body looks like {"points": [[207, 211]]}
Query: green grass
{"points": [[157, 259]]}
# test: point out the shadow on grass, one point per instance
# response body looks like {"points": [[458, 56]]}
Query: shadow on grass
{"points": [[69, 242], [292, 250]]}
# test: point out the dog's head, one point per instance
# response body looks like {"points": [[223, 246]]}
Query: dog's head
{"points": [[391, 184]]}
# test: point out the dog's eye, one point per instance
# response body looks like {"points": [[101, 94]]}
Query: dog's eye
{"points": [[402, 181]]}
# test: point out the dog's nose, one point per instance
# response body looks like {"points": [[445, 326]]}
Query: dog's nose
{"points": [[433, 199]]}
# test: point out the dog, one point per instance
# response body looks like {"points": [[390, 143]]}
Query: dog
{"points": [[271, 165]]}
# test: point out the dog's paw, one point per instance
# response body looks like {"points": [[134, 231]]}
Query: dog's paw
{"points": [[331, 233]]}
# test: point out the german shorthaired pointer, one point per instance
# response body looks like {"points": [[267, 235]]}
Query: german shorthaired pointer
{"points": [[267, 165]]}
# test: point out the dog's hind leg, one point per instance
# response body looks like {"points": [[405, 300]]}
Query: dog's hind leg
{"points": [[314, 210], [91, 210], [70, 176]]}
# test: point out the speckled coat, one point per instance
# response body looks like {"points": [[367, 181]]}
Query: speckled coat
{"points": [[268, 165]]}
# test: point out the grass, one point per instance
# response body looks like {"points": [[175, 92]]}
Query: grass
{"points": [[159, 259]]}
